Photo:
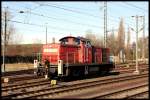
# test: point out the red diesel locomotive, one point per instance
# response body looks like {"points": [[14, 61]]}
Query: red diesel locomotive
{"points": [[76, 57]]}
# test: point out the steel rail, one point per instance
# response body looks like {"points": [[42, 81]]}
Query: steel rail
{"points": [[60, 89], [123, 93]]}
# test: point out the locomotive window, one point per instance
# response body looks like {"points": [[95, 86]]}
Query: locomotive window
{"points": [[88, 43], [77, 41], [64, 41]]}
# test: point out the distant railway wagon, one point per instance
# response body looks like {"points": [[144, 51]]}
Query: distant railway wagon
{"points": [[75, 57]]}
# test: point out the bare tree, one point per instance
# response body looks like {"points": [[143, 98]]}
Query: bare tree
{"points": [[10, 29], [121, 38], [128, 45], [147, 47], [95, 40], [133, 50], [140, 46], [121, 35], [111, 43], [8, 33]]}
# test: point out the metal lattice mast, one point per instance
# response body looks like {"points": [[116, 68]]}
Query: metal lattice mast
{"points": [[4, 39], [137, 69], [143, 53], [105, 24], [137, 44]]}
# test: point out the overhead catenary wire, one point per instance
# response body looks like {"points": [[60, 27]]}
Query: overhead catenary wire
{"points": [[26, 23], [43, 26], [80, 12], [32, 24], [36, 24], [56, 6], [70, 10], [68, 20], [65, 20], [124, 6], [77, 23], [75, 7], [39, 25], [36, 7], [34, 30], [67, 9], [110, 18], [132, 5]]}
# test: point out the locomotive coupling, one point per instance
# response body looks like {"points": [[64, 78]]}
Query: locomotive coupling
{"points": [[53, 82]]}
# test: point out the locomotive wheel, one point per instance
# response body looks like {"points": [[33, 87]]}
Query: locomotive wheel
{"points": [[38, 74], [42, 74], [75, 73]]}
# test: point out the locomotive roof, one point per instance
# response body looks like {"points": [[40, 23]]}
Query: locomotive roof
{"points": [[83, 39], [80, 38], [66, 37]]}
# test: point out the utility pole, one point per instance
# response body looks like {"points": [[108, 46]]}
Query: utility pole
{"points": [[137, 69], [46, 33], [105, 24], [143, 52], [4, 39]]}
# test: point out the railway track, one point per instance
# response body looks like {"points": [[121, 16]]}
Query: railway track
{"points": [[115, 90], [22, 77], [141, 95], [15, 78], [31, 71], [34, 81], [126, 92], [129, 70], [10, 73], [124, 65], [131, 67], [60, 94], [23, 84], [32, 93]]}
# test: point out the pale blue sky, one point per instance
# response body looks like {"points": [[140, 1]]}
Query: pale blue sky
{"points": [[75, 18]]}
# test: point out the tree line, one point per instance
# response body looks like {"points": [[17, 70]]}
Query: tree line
{"points": [[117, 43]]}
